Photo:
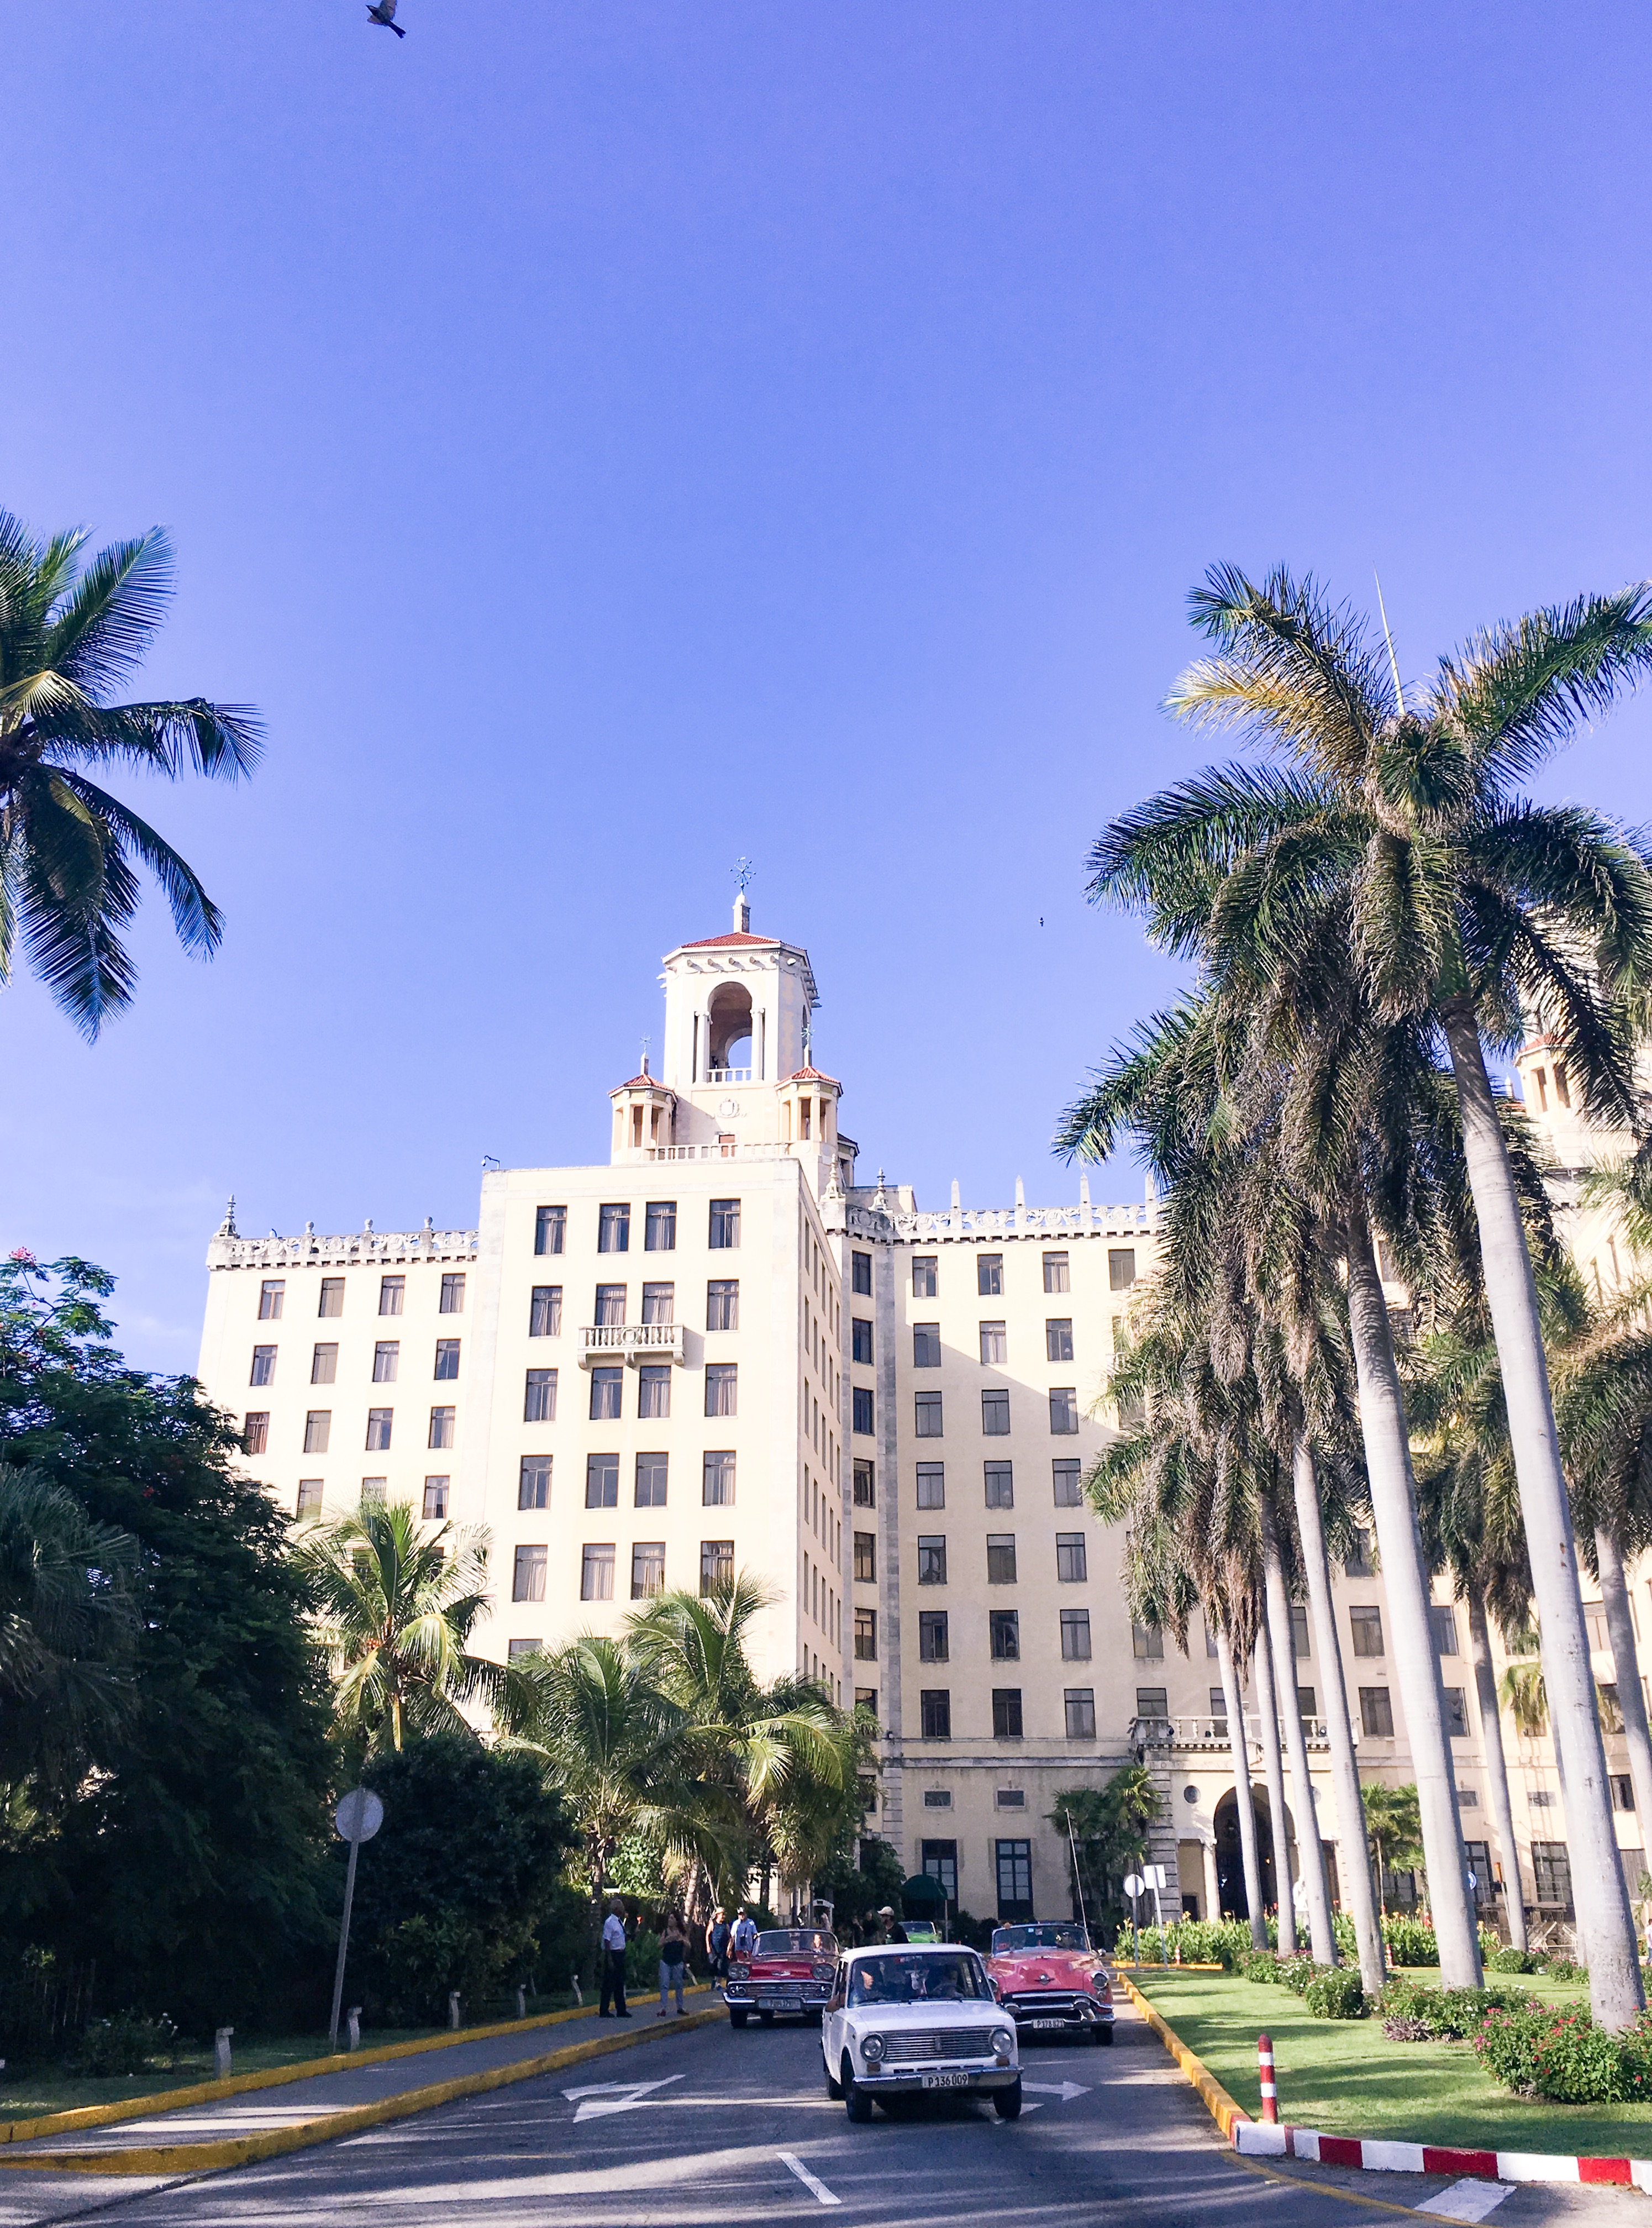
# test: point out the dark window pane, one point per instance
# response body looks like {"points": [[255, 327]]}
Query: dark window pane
{"points": [[533, 1482], [614, 1227], [602, 1481], [989, 1275], [1006, 1713], [725, 1223], [549, 1224], [606, 1390], [860, 1273], [660, 1225]]}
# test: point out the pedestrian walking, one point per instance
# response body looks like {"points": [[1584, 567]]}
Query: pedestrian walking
{"points": [[743, 1941], [717, 1946], [613, 1962], [673, 1954]]}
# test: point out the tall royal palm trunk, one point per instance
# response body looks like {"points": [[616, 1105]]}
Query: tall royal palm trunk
{"points": [[1241, 1754], [1631, 1701], [1394, 1505], [1267, 1704], [1491, 1746], [1354, 1869], [1310, 1849], [1604, 1924]]}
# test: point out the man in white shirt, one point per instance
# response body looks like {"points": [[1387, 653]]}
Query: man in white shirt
{"points": [[744, 1938], [613, 1962]]}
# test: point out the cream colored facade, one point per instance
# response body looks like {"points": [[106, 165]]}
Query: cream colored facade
{"points": [[719, 1350]]}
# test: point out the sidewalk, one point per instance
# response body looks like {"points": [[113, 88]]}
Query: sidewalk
{"points": [[55, 2176]]}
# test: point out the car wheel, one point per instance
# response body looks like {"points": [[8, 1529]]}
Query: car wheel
{"points": [[1007, 2101], [856, 2103], [833, 2087], [736, 2019]]}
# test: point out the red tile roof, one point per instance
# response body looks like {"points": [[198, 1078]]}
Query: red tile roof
{"points": [[648, 1082], [730, 935], [811, 1075]]}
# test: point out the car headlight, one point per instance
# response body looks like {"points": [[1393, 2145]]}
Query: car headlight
{"points": [[1100, 1985], [1002, 2041], [873, 2047]]}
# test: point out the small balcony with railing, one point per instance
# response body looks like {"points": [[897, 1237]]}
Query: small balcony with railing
{"points": [[1193, 1734], [601, 1345]]}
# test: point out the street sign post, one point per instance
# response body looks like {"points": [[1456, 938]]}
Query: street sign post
{"points": [[1134, 1886], [358, 1818]]}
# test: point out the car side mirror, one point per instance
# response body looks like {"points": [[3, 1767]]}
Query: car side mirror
{"points": [[997, 1991]]}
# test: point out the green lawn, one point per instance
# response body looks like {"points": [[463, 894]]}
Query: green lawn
{"points": [[1345, 2077]]}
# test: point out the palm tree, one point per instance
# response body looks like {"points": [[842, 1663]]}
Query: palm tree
{"points": [[68, 1615], [1394, 1824], [395, 1609], [70, 633], [1462, 906]]}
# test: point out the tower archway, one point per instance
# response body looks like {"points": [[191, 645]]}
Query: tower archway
{"points": [[1230, 1857], [728, 1027]]}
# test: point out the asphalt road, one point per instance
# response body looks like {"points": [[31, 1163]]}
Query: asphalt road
{"points": [[719, 2127]]}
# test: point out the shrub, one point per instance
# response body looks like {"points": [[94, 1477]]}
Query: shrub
{"points": [[125, 2044], [1410, 1941], [1401, 2029], [1297, 1973], [1337, 1994], [1513, 1961], [1564, 1969], [1447, 2014], [1577, 2063], [1260, 1965], [642, 1963]]}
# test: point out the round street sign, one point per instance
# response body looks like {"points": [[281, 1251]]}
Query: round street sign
{"points": [[360, 1815], [1134, 1886]]}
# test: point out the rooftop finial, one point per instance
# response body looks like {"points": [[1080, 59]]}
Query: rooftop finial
{"points": [[227, 1227], [645, 1055], [743, 871]]}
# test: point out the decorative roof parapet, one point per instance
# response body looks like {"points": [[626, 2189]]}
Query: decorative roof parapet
{"points": [[357, 1247], [902, 1226]]}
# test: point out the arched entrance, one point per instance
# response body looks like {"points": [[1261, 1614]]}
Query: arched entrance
{"points": [[1230, 1855]]}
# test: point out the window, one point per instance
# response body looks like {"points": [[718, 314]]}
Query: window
{"points": [[1622, 1791], [941, 1858], [1211, 1648], [1001, 1558], [1075, 1635], [441, 1427], [1003, 1628], [1376, 1713], [994, 1348], [1010, 1798], [264, 1365], [309, 1496], [866, 1636], [323, 1365], [332, 1297], [544, 1311], [602, 1481], [722, 1388], [935, 1712], [1058, 1338], [659, 1303], [596, 1572], [1121, 1268], [1356, 1563], [716, 1565], [550, 1226], [1069, 1563], [861, 1340], [1001, 1484], [931, 1485], [1055, 1273], [1552, 1872], [865, 1485], [924, 1285], [1445, 1629], [1367, 1624], [435, 1504], [717, 1480], [989, 1275], [606, 1394], [447, 1358], [865, 1558], [861, 1272], [1218, 1706], [931, 1559], [1081, 1711], [386, 1360], [528, 1575], [379, 1421], [611, 1306], [654, 1389], [1299, 1633], [648, 1569], [723, 1304], [725, 1225], [933, 1641], [538, 1399], [660, 1227], [1147, 1642], [651, 1471], [255, 1432], [1068, 1493], [1014, 1863], [1006, 1713], [1594, 1616], [1456, 1713], [373, 1492], [1064, 1409], [995, 1414], [533, 1482], [614, 1227], [927, 1346], [271, 1294], [393, 1290], [926, 1415], [318, 1425], [862, 1410], [866, 1698], [1307, 1704], [516, 1649]]}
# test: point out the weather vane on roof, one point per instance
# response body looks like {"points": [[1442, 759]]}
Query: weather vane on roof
{"points": [[743, 871]]}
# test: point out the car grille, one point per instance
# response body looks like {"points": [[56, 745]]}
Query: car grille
{"points": [[914, 2046], [1049, 2003], [790, 1987]]}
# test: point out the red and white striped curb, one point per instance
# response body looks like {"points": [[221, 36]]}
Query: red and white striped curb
{"points": [[1260, 2140]]}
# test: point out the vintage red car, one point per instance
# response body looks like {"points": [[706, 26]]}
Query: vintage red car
{"points": [[1051, 1982], [788, 1975]]}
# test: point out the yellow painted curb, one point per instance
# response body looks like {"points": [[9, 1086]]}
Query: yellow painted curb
{"points": [[271, 2142], [273, 2076], [1215, 2098]]}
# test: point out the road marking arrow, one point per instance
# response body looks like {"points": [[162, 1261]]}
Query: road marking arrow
{"points": [[1066, 2090], [604, 2097]]}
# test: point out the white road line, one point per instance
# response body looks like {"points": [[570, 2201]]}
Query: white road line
{"points": [[808, 2179], [1066, 2090], [1467, 2201]]}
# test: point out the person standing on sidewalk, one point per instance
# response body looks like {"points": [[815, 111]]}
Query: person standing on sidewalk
{"points": [[674, 1950], [743, 1941], [613, 1962], [717, 1946]]}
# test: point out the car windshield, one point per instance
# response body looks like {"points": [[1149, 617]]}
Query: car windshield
{"points": [[798, 1942], [922, 1980], [1010, 1940]]}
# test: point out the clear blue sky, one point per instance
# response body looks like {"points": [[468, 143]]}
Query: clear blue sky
{"points": [[606, 439]]}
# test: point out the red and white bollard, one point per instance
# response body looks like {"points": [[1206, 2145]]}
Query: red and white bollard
{"points": [[1269, 2090]]}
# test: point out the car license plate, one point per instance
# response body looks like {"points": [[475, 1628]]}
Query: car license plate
{"points": [[946, 2080], [1043, 2023], [783, 2004]]}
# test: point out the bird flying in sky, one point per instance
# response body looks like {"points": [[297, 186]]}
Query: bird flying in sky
{"points": [[384, 12]]}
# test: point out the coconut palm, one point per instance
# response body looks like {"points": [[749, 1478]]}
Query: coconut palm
{"points": [[71, 633], [68, 1615], [1394, 1825], [1460, 905], [395, 1608]]}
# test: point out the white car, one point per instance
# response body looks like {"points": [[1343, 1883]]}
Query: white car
{"points": [[905, 2022]]}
